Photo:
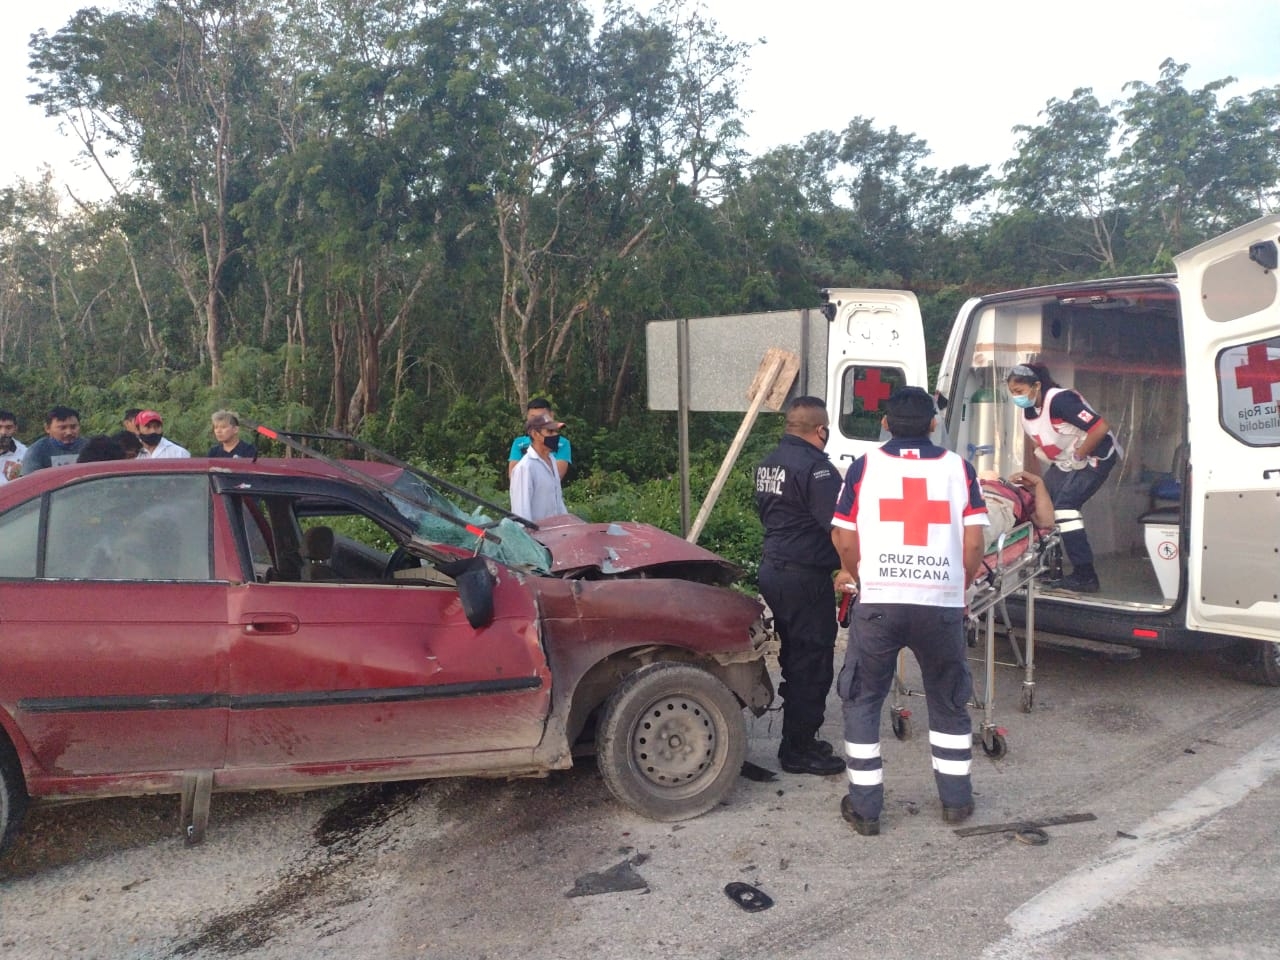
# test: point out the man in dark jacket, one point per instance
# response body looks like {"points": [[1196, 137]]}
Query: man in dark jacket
{"points": [[796, 491]]}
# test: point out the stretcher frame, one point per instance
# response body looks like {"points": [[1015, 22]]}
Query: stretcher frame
{"points": [[1013, 565]]}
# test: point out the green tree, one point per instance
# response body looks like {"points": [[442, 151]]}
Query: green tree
{"points": [[1190, 168], [177, 84], [1064, 169]]}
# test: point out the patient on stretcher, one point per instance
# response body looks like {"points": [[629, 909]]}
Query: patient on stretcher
{"points": [[1020, 498]]}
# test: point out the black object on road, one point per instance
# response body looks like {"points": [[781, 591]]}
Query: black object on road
{"points": [[749, 898]]}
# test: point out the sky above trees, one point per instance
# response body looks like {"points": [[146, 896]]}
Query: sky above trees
{"points": [[958, 79]]}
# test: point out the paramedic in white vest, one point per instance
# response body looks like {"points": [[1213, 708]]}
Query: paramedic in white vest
{"points": [[908, 526], [1078, 451]]}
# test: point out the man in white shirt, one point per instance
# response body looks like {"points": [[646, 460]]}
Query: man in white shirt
{"points": [[12, 450], [155, 446], [535, 481]]}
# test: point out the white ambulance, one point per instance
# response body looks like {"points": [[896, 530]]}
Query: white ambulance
{"points": [[1185, 367]]}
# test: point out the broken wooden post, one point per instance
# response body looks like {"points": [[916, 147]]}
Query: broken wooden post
{"points": [[769, 389]]}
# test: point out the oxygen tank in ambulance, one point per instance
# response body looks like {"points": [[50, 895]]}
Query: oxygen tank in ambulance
{"points": [[980, 414]]}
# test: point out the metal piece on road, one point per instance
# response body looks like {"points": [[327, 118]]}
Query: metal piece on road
{"points": [[1031, 836], [757, 773], [1017, 825], [749, 898], [616, 879]]}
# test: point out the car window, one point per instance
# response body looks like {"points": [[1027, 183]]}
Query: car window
{"points": [[130, 528], [514, 547], [19, 530]]}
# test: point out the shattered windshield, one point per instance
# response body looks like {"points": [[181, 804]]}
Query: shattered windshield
{"points": [[516, 549]]}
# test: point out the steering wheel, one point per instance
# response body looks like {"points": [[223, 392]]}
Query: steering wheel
{"points": [[400, 559]]}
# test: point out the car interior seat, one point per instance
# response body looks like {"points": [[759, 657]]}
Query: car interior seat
{"points": [[317, 553]]}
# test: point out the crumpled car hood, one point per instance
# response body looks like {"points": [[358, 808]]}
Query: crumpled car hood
{"points": [[580, 549]]}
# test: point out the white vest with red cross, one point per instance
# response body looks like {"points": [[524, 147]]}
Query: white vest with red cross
{"points": [[1058, 440], [910, 515]]}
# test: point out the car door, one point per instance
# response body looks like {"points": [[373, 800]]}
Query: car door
{"points": [[334, 671], [114, 630], [1230, 303]]}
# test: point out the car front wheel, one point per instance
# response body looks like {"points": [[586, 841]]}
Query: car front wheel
{"points": [[671, 741], [13, 794]]}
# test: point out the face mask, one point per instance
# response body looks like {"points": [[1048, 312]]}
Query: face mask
{"points": [[151, 439], [553, 443], [825, 434], [1021, 400]]}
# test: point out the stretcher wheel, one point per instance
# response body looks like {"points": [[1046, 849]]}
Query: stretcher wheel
{"points": [[997, 748], [1028, 699], [900, 721]]}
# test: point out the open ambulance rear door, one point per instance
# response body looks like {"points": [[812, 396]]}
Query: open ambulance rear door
{"points": [[1230, 304]]}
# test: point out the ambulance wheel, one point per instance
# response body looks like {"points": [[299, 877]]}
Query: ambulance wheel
{"points": [[901, 725], [1028, 699], [997, 748], [1266, 663]]}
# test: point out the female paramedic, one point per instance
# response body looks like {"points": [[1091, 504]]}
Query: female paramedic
{"points": [[1078, 451]]}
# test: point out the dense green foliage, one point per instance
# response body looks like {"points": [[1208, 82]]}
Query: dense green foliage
{"points": [[404, 218]]}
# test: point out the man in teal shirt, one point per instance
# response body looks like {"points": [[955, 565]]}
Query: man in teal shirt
{"points": [[563, 455]]}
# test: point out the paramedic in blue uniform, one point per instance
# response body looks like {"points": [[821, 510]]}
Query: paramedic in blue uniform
{"points": [[796, 489], [1077, 450], [908, 525]]}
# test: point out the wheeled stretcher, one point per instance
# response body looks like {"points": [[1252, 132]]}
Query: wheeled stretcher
{"points": [[1011, 565]]}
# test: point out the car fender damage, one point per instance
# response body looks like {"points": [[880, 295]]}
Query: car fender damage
{"points": [[596, 632]]}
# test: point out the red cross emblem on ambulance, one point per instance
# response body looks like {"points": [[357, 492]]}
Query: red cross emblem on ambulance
{"points": [[1258, 374]]}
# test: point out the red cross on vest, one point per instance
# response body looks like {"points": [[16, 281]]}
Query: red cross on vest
{"points": [[871, 390], [1258, 374], [915, 511]]}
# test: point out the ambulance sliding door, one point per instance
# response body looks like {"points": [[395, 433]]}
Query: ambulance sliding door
{"points": [[1230, 303]]}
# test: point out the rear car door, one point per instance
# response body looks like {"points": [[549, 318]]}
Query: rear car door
{"points": [[349, 669], [114, 630], [1230, 303]]}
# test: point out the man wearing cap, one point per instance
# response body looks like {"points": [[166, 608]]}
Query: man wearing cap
{"points": [[535, 481], [562, 455], [908, 525], [155, 446]]}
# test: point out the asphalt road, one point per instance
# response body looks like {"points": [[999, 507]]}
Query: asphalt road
{"points": [[1175, 756]]}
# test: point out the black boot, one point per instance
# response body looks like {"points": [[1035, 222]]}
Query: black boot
{"points": [[1082, 579], [805, 755]]}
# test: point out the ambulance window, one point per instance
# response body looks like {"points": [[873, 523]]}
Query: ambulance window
{"points": [[1235, 287], [1249, 392], [863, 391]]}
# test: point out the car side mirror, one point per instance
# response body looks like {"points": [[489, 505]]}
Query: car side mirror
{"points": [[475, 588]]}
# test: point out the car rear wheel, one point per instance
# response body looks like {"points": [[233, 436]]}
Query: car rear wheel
{"points": [[13, 794], [671, 741]]}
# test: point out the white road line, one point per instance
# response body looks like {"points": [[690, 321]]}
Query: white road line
{"points": [[1045, 919]]}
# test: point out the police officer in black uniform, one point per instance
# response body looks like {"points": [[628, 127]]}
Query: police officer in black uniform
{"points": [[796, 491]]}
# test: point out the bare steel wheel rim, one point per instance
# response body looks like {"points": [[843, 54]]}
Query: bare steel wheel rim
{"points": [[674, 741]]}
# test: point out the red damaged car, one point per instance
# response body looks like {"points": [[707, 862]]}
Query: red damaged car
{"points": [[195, 626]]}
